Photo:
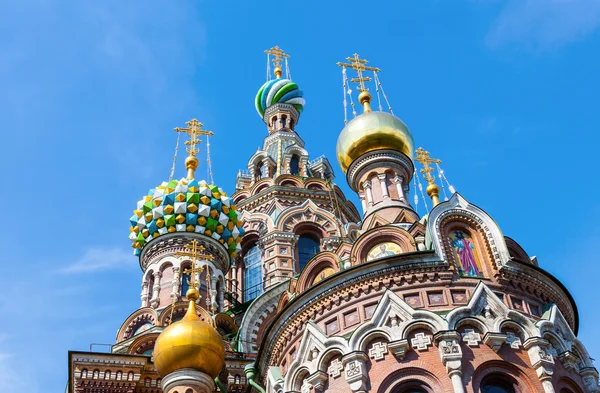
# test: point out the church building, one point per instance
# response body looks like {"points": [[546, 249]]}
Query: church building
{"points": [[285, 286]]}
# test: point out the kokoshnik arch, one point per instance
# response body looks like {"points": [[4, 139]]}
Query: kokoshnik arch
{"points": [[285, 286]]}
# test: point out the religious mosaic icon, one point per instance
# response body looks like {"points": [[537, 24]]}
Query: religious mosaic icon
{"points": [[464, 252], [323, 274], [383, 250]]}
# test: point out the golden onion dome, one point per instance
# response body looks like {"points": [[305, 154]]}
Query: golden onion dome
{"points": [[189, 343], [372, 131]]}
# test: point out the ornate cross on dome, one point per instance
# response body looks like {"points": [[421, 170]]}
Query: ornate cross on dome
{"points": [[193, 129], [279, 55], [359, 65], [195, 251], [424, 158]]}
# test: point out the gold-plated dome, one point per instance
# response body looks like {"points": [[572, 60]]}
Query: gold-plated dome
{"points": [[372, 131], [189, 343]]}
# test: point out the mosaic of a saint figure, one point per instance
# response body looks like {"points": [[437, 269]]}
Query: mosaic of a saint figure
{"points": [[383, 250], [465, 251]]}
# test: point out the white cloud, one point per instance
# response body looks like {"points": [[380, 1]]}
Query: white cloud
{"points": [[544, 24], [96, 259]]}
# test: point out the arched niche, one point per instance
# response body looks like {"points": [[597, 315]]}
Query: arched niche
{"points": [[467, 247], [134, 321], [507, 373], [413, 377], [318, 268], [367, 247]]}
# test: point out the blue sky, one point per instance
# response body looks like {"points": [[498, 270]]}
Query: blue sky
{"points": [[505, 92]]}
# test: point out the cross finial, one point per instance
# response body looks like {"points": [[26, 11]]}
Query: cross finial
{"points": [[279, 55], [424, 158], [359, 65], [195, 251], [193, 129]]}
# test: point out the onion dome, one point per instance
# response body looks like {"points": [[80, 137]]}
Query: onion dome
{"points": [[186, 205], [372, 131], [279, 90], [189, 343]]}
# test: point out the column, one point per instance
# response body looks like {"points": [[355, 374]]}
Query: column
{"points": [[355, 371], [175, 283], [213, 292], [541, 361], [398, 180], [363, 202], [451, 355], [382, 181], [144, 295], [367, 186], [154, 301]]}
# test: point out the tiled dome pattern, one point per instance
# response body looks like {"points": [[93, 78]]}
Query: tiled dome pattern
{"points": [[186, 206]]}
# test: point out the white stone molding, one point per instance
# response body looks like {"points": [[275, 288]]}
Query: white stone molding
{"points": [[590, 379], [155, 300], [541, 361], [399, 182], [312, 353], [144, 294], [335, 368], [317, 380], [451, 356], [513, 341], [393, 318], [489, 312], [494, 340], [378, 351], [457, 205], [367, 187], [356, 371], [421, 341], [175, 283], [399, 348], [363, 202], [188, 378], [471, 337]]}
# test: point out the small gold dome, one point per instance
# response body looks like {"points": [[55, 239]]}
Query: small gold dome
{"points": [[372, 131], [189, 343]]}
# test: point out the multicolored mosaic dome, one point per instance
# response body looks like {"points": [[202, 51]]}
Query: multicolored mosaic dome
{"points": [[186, 206], [278, 91]]}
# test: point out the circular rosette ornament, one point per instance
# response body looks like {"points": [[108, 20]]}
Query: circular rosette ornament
{"points": [[186, 206], [275, 91]]}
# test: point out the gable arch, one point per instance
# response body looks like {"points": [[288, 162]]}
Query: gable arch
{"points": [[308, 213], [136, 319], [458, 209]]}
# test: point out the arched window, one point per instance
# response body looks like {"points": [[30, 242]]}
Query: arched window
{"points": [[150, 285], [185, 281], [96, 374], [496, 383], [308, 246], [295, 165], [253, 285], [130, 376], [411, 387], [107, 374], [283, 121], [84, 373], [119, 375]]}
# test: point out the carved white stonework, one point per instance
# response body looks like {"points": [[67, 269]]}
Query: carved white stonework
{"points": [[378, 351], [399, 348], [335, 368], [305, 387], [471, 337], [356, 371], [513, 341], [421, 341]]}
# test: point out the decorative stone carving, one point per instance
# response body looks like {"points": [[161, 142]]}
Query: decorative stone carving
{"points": [[494, 340], [335, 368], [421, 341], [317, 380], [378, 351], [471, 337], [590, 379], [569, 360], [451, 356], [399, 348], [313, 354], [541, 361], [513, 341], [305, 386], [356, 371]]}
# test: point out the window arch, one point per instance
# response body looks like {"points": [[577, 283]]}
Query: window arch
{"points": [[84, 373], [253, 285], [107, 374], [119, 375], [308, 246], [412, 387], [497, 383], [295, 165], [185, 280]]}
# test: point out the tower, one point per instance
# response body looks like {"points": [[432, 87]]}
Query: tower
{"points": [[375, 152], [291, 208]]}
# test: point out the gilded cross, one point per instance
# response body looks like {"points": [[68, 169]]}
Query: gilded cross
{"points": [[425, 160], [278, 54], [193, 129], [359, 65], [195, 251]]}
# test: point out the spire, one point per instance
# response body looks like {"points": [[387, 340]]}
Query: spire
{"points": [[432, 189], [193, 129], [360, 65]]}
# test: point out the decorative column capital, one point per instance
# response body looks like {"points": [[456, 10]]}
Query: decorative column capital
{"points": [[381, 176], [317, 380], [398, 179], [450, 351], [366, 184], [590, 379], [494, 340], [399, 348], [541, 360], [356, 371]]}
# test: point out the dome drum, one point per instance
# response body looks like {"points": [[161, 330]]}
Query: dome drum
{"points": [[281, 108], [371, 161], [173, 242]]}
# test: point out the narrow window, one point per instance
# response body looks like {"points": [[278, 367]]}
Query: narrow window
{"points": [[295, 165], [253, 285], [308, 247]]}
